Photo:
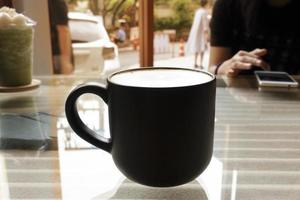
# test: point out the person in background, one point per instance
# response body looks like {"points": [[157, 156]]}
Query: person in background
{"points": [[248, 35], [60, 37], [198, 38], [120, 33]]}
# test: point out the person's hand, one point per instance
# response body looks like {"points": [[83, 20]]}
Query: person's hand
{"points": [[243, 60]]}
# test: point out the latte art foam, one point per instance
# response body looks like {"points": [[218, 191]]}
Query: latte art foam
{"points": [[160, 78]]}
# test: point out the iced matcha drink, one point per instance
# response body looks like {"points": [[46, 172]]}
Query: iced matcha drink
{"points": [[16, 37]]}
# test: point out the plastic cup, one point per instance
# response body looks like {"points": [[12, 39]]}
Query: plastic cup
{"points": [[16, 44]]}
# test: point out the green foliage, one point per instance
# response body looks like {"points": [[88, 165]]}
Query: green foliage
{"points": [[184, 13], [182, 20], [72, 1], [162, 2], [165, 23]]}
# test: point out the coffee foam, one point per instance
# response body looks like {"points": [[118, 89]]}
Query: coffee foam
{"points": [[160, 78]]}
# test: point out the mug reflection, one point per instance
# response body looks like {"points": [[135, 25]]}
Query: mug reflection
{"points": [[131, 190]]}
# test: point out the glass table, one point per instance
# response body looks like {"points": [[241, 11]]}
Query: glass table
{"points": [[256, 147]]}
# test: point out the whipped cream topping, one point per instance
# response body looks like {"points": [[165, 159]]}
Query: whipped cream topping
{"points": [[9, 17]]}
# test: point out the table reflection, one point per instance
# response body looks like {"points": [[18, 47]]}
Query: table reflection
{"points": [[93, 112], [92, 175], [20, 129], [256, 147]]}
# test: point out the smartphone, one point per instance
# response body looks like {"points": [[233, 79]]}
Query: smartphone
{"points": [[275, 79]]}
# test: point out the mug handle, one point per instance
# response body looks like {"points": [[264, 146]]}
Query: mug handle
{"points": [[76, 123]]}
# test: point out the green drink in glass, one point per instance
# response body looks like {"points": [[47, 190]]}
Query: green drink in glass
{"points": [[16, 55]]}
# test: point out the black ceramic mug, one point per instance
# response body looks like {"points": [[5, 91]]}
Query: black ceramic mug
{"points": [[161, 123]]}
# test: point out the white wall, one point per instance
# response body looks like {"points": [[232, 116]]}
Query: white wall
{"points": [[38, 11]]}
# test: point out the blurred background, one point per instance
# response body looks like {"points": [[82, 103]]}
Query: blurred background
{"points": [[102, 36], [172, 23]]}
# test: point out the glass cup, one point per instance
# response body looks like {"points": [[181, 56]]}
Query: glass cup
{"points": [[16, 45]]}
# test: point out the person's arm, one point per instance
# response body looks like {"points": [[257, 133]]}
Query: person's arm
{"points": [[221, 26], [60, 20], [217, 56], [223, 63], [222, 60], [64, 37]]}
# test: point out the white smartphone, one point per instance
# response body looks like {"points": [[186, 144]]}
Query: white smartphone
{"points": [[275, 79]]}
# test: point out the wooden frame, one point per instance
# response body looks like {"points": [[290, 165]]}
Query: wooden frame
{"points": [[146, 32]]}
